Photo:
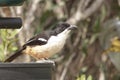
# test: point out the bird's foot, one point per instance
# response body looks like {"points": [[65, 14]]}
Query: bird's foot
{"points": [[45, 60]]}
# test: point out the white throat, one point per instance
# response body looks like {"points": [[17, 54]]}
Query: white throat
{"points": [[56, 43], [60, 38]]}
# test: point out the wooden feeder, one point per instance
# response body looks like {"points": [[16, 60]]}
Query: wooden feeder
{"points": [[26, 71]]}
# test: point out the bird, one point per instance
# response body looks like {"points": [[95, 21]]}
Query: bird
{"points": [[46, 44]]}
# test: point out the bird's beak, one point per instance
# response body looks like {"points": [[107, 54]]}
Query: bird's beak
{"points": [[72, 27]]}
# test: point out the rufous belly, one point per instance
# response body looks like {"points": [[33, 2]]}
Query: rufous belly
{"points": [[40, 52]]}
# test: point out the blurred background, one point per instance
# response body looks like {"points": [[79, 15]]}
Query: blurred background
{"points": [[92, 52]]}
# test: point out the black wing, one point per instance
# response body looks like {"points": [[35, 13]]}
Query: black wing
{"points": [[35, 42], [39, 39]]}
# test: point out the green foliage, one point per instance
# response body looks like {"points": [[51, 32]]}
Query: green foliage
{"points": [[84, 77], [7, 44], [45, 16], [96, 27]]}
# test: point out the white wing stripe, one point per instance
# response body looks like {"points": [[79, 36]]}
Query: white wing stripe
{"points": [[42, 39]]}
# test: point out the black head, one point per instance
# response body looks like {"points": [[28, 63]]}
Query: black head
{"points": [[60, 27]]}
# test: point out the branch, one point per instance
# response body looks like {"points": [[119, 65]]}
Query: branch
{"points": [[30, 17], [79, 15], [26, 31], [94, 7], [67, 64]]}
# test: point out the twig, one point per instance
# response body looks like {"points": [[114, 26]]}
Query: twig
{"points": [[93, 8], [12, 12], [86, 3], [66, 67], [26, 33], [30, 17], [77, 39], [19, 10], [79, 15]]}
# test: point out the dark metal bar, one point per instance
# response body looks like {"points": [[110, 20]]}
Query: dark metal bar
{"points": [[26, 71], [11, 2], [10, 23]]}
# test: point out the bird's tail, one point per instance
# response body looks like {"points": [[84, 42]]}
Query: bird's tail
{"points": [[15, 55]]}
